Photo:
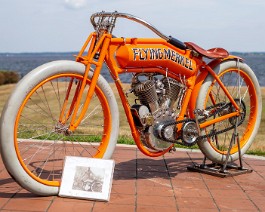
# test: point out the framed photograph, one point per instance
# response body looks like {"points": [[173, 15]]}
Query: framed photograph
{"points": [[87, 178]]}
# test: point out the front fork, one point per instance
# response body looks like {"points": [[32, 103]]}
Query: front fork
{"points": [[96, 48]]}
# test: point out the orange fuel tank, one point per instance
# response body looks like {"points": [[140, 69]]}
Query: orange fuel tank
{"points": [[155, 55]]}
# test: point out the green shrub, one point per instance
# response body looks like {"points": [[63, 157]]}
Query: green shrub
{"points": [[8, 77], [2, 78]]}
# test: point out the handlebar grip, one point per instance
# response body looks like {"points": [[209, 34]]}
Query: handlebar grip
{"points": [[177, 43]]}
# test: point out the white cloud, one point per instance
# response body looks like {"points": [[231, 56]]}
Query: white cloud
{"points": [[51, 25], [75, 4]]}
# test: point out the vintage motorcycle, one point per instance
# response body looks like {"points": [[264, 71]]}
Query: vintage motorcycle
{"points": [[67, 108]]}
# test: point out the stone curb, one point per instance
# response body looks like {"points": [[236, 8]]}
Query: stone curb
{"points": [[196, 150]]}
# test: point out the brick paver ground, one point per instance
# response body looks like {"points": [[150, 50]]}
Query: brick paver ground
{"points": [[153, 184]]}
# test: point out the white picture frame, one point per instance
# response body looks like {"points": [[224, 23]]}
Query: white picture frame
{"points": [[87, 178]]}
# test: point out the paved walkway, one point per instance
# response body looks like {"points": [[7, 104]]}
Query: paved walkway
{"points": [[153, 184]]}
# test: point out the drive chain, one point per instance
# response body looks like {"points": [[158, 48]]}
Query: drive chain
{"points": [[221, 106]]}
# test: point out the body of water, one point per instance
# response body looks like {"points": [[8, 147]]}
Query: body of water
{"points": [[25, 62]]}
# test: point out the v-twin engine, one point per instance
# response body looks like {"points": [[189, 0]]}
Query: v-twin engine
{"points": [[159, 100]]}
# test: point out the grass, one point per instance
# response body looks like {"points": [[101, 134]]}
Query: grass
{"points": [[257, 148], [258, 152]]}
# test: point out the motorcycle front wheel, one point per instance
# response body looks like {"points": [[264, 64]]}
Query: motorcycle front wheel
{"points": [[35, 136]]}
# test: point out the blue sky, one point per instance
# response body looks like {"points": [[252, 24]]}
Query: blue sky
{"points": [[63, 25]]}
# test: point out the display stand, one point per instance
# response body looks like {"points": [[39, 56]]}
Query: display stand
{"points": [[219, 170], [226, 169]]}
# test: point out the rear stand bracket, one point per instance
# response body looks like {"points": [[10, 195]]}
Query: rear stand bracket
{"points": [[226, 169]]}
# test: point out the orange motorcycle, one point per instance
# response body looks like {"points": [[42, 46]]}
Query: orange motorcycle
{"points": [[67, 108]]}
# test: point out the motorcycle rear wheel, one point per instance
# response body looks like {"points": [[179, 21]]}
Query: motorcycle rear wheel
{"points": [[243, 85]]}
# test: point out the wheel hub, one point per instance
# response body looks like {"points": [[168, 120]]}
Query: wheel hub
{"points": [[242, 110], [61, 128]]}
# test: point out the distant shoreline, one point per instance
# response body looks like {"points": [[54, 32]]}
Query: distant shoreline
{"points": [[75, 52], [27, 61]]}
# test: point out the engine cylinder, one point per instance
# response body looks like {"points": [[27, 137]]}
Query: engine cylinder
{"points": [[146, 91], [172, 88]]}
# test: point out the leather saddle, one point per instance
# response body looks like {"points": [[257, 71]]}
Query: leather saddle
{"points": [[214, 53]]}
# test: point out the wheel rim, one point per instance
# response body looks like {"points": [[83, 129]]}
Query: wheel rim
{"points": [[241, 87], [41, 142]]}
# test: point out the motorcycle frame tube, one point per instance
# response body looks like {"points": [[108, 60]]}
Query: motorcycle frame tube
{"points": [[201, 77], [115, 71], [101, 46], [193, 83], [107, 46]]}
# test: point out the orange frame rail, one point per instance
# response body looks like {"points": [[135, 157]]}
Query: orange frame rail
{"points": [[106, 48]]}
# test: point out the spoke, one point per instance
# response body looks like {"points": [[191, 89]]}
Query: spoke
{"points": [[90, 114], [36, 143], [47, 104], [44, 163], [40, 148], [36, 124], [43, 142], [244, 95], [57, 94], [239, 88], [30, 107], [37, 111]]}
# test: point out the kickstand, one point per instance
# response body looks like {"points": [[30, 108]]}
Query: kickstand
{"points": [[225, 169]]}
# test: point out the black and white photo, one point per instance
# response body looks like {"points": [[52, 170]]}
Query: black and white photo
{"points": [[87, 178]]}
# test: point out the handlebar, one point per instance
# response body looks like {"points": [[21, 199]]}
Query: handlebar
{"points": [[114, 15], [127, 16]]}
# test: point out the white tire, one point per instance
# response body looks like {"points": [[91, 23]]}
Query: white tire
{"points": [[26, 141], [243, 85]]}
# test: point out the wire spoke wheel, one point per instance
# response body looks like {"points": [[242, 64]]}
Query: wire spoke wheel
{"points": [[242, 85], [43, 140], [35, 129]]}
